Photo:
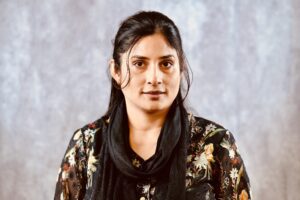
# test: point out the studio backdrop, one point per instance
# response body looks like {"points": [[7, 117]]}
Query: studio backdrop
{"points": [[245, 58]]}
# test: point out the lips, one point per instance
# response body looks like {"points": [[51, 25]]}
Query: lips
{"points": [[154, 92]]}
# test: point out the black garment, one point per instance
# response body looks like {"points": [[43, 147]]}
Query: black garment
{"points": [[211, 165], [166, 168]]}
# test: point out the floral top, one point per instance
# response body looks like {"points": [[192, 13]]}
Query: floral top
{"points": [[213, 158]]}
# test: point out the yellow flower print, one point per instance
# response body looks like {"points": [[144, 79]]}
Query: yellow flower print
{"points": [[136, 163], [188, 182], [189, 158], [243, 195], [209, 149], [91, 168], [77, 135]]}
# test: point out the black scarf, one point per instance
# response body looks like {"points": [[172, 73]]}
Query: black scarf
{"points": [[118, 178]]}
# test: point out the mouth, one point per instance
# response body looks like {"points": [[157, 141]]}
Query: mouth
{"points": [[154, 95], [154, 92]]}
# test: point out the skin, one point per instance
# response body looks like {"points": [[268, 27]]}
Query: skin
{"points": [[153, 86]]}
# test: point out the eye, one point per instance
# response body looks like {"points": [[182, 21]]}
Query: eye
{"points": [[138, 64], [167, 64]]}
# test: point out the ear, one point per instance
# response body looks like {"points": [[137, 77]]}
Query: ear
{"points": [[115, 74]]}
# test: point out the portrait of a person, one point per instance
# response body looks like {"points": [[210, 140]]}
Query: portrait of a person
{"points": [[149, 145]]}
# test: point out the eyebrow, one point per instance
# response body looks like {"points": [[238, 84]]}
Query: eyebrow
{"points": [[146, 58]]}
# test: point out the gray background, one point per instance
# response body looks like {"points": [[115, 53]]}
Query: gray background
{"points": [[245, 56]]}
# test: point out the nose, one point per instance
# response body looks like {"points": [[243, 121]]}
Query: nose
{"points": [[154, 75]]}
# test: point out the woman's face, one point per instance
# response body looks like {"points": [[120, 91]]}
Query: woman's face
{"points": [[154, 74]]}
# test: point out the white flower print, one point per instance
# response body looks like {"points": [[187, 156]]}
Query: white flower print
{"points": [[231, 153], [209, 128], [64, 175], [71, 157], [146, 188], [205, 158], [62, 196], [234, 174], [89, 134], [201, 161], [72, 160], [228, 133]]}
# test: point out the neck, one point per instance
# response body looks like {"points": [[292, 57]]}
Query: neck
{"points": [[144, 130], [142, 121]]}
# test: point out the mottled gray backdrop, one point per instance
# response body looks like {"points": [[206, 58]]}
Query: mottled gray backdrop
{"points": [[245, 55]]}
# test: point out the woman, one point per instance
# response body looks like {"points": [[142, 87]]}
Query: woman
{"points": [[147, 146]]}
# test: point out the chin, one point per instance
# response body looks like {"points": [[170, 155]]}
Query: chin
{"points": [[155, 108]]}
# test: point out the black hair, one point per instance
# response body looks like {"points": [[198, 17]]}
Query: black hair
{"points": [[131, 30]]}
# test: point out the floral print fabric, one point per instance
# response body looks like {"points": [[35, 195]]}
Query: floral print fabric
{"points": [[213, 160]]}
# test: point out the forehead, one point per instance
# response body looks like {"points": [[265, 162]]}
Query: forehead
{"points": [[153, 46]]}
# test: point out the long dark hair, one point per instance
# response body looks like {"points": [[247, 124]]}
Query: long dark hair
{"points": [[134, 28]]}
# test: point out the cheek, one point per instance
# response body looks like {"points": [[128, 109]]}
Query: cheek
{"points": [[131, 87], [176, 80], [174, 84]]}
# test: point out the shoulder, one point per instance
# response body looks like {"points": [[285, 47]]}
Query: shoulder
{"points": [[96, 124], [204, 149], [213, 157], [85, 143], [204, 130], [79, 160], [87, 137], [89, 130]]}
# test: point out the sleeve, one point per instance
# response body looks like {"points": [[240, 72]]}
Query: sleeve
{"points": [[232, 181], [70, 181]]}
